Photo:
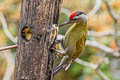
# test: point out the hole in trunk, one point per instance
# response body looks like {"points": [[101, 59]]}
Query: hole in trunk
{"points": [[26, 33]]}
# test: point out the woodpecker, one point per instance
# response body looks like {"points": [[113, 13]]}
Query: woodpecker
{"points": [[75, 38]]}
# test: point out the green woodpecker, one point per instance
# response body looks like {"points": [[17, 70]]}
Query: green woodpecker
{"points": [[75, 38]]}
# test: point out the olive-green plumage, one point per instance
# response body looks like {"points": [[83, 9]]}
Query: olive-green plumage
{"points": [[75, 39], [73, 42]]}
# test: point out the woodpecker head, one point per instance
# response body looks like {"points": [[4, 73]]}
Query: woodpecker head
{"points": [[76, 17]]}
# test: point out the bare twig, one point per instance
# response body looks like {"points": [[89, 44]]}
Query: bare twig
{"points": [[94, 67], [112, 14], [5, 28], [116, 33], [101, 34], [65, 11], [10, 65], [8, 47], [95, 9], [84, 63], [102, 47], [115, 18], [101, 74], [79, 61]]}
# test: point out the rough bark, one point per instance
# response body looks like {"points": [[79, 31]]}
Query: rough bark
{"points": [[34, 59]]}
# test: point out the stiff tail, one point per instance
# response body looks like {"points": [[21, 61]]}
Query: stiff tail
{"points": [[63, 64], [67, 67], [58, 68], [65, 59]]}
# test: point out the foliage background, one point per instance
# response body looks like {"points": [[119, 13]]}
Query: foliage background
{"points": [[99, 22]]}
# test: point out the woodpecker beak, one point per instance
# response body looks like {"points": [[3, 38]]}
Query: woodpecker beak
{"points": [[66, 22]]}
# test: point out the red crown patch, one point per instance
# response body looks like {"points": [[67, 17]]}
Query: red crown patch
{"points": [[72, 15]]}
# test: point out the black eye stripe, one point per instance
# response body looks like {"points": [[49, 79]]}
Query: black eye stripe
{"points": [[79, 13]]}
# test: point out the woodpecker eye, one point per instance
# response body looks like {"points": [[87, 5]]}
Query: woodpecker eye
{"points": [[74, 18], [79, 13]]}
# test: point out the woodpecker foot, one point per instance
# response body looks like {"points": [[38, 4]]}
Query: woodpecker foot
{"points": [[58, 53], [53, 35], [60, 41], [62, 52]]}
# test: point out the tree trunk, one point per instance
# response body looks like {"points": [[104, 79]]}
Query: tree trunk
{"points": [[34, 59]]}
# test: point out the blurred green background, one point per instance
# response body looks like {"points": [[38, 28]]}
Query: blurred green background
{"points": [[101, 21]]}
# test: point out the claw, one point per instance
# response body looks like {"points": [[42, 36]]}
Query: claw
{"points": [[53, 35], [59, 53]]}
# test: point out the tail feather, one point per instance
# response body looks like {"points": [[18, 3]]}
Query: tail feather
{"points": [[67, 67], [65, 63], [63, 60], [59, 67]]}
